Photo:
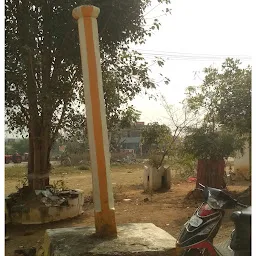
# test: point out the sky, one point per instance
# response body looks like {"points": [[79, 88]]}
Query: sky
{"points": [[197, 34]]}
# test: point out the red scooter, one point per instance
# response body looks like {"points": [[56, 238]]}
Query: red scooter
{"points": [[196, 237]]}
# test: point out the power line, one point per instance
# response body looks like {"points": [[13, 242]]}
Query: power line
{"points": [[189, 55], [184, 57], [151, 10], [192, 59], [195, 59], [156, 17]]}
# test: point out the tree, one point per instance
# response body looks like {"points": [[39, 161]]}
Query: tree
{"points": [[157, 141], [221, 134], [210, 148], [179, 118], [155, 137], [8, 149], [234, 108], [43, 89], [20, 146], [224, 97], [167, 139]]}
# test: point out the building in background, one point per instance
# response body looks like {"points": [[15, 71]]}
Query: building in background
{"points": [[131, 138]]}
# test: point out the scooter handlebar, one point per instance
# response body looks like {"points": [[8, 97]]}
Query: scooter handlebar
{"points": [[243, 205], [240, 204]]}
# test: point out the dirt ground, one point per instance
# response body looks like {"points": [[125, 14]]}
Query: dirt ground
{"points": [[167, 210]]}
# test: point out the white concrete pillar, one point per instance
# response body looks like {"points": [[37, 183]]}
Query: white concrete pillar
{"points": [[96, 120]]}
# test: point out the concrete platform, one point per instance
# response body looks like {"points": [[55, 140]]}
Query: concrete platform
{"points": [[133, 239]]}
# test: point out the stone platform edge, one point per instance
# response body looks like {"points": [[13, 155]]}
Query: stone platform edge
{"points": [[138, 239]]}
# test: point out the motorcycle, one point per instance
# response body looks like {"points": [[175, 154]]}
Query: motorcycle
{"points": [[196, 237]]}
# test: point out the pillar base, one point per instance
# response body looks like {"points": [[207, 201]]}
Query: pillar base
{"points": [[105, 223], [134, 238]]}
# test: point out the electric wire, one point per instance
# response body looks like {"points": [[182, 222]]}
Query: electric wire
{"points": [[190, 56]]}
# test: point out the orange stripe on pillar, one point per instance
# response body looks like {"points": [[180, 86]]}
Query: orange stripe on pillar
{"points": [[98, 138]]}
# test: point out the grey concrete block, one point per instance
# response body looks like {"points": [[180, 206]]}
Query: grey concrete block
{"points": [[133, 239]]}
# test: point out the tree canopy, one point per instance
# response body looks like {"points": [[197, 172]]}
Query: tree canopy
{"points": [[43, 59], [224, 100], [234, 110], [156, 137], [43, 89], [224, 97], [156, 141], [203, 143], [20, 146]]}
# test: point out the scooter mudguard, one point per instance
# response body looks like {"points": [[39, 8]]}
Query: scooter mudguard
{"points": [[202, 226]]}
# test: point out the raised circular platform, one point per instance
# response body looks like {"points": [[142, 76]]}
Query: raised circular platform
{"points": [[47, 210]]}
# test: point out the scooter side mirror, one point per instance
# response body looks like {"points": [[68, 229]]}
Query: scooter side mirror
{"points": [[206, 193], [201, 185], [204, 189]]}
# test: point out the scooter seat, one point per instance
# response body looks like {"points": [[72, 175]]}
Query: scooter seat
{"points": [[242, 216]]}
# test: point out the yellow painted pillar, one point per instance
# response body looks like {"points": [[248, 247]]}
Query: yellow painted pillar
{"points": [[96, 120]]}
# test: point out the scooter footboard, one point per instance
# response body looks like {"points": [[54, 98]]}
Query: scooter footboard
{"points": [[224, 249]]}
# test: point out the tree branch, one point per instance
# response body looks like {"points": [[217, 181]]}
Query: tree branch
{"points": [[58, 126], [58, 56]]}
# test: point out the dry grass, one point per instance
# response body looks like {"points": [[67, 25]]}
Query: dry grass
{"points": [[75, 178]]}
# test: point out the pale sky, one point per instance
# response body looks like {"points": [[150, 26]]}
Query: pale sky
{"points": [[200, 27]]}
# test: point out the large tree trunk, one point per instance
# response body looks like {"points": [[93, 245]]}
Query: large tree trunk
{"points": [[211, 173], [39, 160]]}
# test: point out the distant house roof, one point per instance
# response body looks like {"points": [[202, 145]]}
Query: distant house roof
{"points": [[130, 140]]}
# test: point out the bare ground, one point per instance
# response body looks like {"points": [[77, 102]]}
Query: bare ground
{"points": [[167, 210]]}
